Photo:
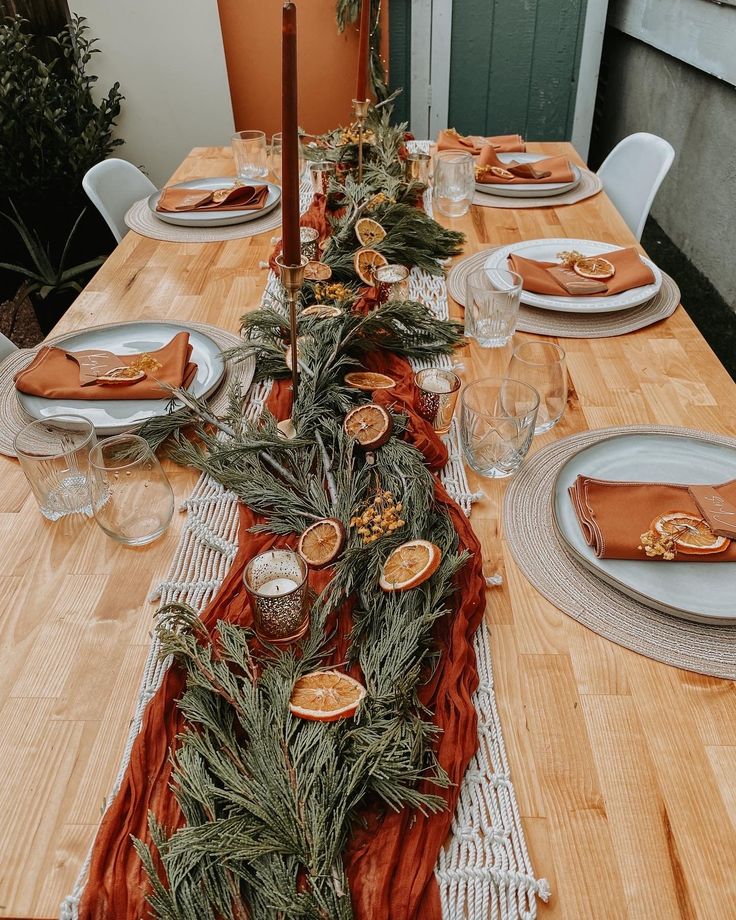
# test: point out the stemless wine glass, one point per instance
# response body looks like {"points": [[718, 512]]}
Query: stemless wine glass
{"points": [[492, 298], [497, 420], [276, 149], [132, 499], [249, 150], [454, 183], [54, 455], [542, 366]]}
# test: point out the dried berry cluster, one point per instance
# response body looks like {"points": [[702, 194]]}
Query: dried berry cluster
{"points": [[381, 516], [659, 544]]}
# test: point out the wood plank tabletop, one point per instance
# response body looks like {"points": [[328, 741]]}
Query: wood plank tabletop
{"points": [[624, 768]]}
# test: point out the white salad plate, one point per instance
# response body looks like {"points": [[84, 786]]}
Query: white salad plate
{"points": [[700, 591], [214, 218], [531, 189], [113, 416], [547, 250]]}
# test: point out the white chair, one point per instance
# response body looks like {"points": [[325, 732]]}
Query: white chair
{"points": [[631, 174], [113, 186], [6, 346]]}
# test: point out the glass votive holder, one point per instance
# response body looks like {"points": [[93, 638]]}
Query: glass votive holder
{"points": [[392, 282], [276, 582], [437, 392], [309, 239], [418, 167], [320, 173]]}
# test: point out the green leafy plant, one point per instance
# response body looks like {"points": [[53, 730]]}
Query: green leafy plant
{"points": [[46, 276], [348, 11]]}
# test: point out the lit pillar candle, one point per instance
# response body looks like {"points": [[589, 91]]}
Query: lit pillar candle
{"points": [[364, 50], [289, 140]]}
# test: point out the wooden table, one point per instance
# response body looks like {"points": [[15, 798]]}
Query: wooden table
{"points": [[625, 769]]}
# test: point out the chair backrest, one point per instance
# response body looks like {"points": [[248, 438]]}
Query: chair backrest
{"points": [[113, 186], [6, 346], [631, 174]]}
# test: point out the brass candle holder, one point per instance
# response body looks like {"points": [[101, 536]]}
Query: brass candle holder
{"points": [[360, 111], [292, 279]]}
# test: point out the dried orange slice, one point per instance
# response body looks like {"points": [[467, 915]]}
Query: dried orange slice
{"points": [[365, 262], [322, 312], [369, 231], [325, 696], [367, 380], [321, 543], [692, 535], [410, 565], [501, 173], [286, 429], [317, 271], [370, 425], [121, 376], [594, 267]]}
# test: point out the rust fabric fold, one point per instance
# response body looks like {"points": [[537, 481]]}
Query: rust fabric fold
{"points": [[391, 860], [54, 374], [449, 139], [240, 198], [550, 278], [613, 515], [547, 171]]}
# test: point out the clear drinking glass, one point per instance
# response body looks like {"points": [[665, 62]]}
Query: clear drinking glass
{"points": [[54, 455], [454, 183], [249, 150], [438, 391], [276, 582], [132, 499], [492, 298], [275, 154], [497, 419], [542, 366]]}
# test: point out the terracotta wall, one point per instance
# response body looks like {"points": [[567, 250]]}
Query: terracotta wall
{"points": [[251, 32]]}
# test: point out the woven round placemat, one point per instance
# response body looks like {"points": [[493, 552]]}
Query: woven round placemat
{"points": [[588, 186], [13, 418], [574, 325], [544, 559], [141, 219]]}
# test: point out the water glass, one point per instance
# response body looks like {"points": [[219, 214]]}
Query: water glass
{"points": [[497, 419], [276, 582], [437, 392], [492, 299], [54, 455], [454, 183], [249, 150], [132, 499], [275, 155], [542, 366]]}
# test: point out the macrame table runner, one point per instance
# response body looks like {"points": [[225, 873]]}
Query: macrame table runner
{"points": [[588, 186], [484, 871], [573, 325], [141, 219], [542, 556]]}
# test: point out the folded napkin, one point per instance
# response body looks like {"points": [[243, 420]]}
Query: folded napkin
{"points": [[550, 278], [449, 139], [614, 515], [240, 198], [58, 374], [551, 169]]}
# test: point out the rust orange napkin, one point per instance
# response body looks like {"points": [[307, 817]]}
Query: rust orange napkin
{"points": [[240, 198], [551, 169], [55, 374], [550, 278], [449, 139], [614, 515]]}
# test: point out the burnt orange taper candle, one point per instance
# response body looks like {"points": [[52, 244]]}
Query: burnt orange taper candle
{"points": [[289, 141], [364, 51]]}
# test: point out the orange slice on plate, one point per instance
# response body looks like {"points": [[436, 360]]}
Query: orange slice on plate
{"points": [[365, 262], [501, 173], [121, 376], [370, 425], [369, 231], [594, 267], [367, 380], [317, 271], [322, 312], [692, 535], [321, 543], [325, 696], [410, 565]]}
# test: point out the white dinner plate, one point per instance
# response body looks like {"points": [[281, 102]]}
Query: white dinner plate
{"points": [[547, 251], [530, 189], [214, 218], [112, 416], [700, 591]]}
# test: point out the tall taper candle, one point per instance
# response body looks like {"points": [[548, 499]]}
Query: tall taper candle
{"points": [[364, 51], [289, 141]]}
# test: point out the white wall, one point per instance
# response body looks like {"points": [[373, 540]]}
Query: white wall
{"points": [[168, 58]]}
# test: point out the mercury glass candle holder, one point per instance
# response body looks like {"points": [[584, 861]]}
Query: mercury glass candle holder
{"points": [[392, 282], [309, 238], [418, 167], [276, 582], [320, 173], [437, 392]]}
